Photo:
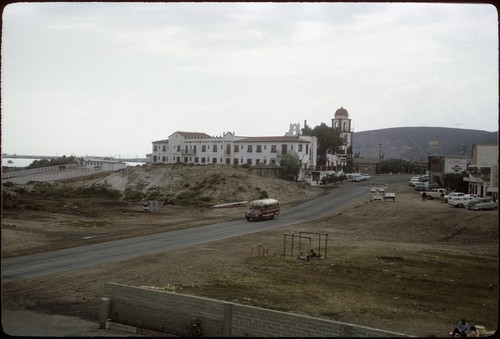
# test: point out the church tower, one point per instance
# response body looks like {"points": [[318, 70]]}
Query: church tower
{"points": [[341, 156], [342, 122]]}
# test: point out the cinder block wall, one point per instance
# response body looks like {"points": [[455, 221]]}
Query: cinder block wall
{"points": [[172, 312]]}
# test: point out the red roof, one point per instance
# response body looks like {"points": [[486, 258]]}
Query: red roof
{"points": [[272, 139]]}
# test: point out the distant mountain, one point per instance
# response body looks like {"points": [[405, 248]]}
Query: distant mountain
{"points": [[415, 143]]}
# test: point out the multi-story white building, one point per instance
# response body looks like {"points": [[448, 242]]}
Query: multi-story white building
{"points": [[230, 149]]}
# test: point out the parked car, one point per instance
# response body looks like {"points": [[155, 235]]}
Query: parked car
{"points": [[365, 177], [436, 193], [418, 178], [420, 186], [460, 201], [413, 180], [477, 200], [357, 177], [452, 194], [486, 205], [433, 186]]}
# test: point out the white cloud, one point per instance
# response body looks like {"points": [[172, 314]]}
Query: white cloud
{"points": [[140, 71]]}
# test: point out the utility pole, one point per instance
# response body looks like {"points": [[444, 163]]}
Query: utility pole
{"points": [[380, 158]]}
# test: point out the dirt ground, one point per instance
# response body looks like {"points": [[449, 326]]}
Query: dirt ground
{"points": [[409, 266]]}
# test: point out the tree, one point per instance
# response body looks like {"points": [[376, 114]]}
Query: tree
{"points": [[289, 166], [327, 138]]}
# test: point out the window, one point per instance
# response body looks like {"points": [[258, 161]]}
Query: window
{"points": [[178, 148], [155, 159], [196, 160], [185, 159], [214, 148], [236, 148], [300, 147], [154, 148], [259, 149], [203, 160], [203, 148], [257, 161], [249, 161], [228, 161], [186, 149], [249, 148], [164, 148], [214, 160], [284, 149], [273, 148], [273, 161], [194, 149], [235, 161], [164, 159]]}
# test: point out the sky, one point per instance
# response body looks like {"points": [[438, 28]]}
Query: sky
{"points": [[108, 79]]}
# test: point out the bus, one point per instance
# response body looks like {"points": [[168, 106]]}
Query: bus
{"points": [[263, 209]]}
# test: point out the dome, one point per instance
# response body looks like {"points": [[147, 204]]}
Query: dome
{"points": [[341, 112]]}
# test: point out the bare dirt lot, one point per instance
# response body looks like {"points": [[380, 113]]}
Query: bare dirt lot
{"points": [[407, 266]]}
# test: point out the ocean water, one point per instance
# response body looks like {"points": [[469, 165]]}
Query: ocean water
{"points": [[17, 162], [23, 162]]}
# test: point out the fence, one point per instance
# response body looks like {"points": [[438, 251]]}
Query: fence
{"points": [[181, 315], [47, 174]]}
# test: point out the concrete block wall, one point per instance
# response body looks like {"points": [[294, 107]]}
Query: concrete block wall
{"points": [[170, 312]]}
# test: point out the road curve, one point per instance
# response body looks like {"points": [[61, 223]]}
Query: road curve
{"points": [[91, 255]]}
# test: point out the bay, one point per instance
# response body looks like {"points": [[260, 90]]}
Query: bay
{"points": [[24, 162]]}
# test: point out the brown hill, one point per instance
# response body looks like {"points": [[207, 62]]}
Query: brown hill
{"points": [[412, 143]]}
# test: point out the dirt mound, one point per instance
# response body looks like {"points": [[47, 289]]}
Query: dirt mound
{"points": [[201, 185]]}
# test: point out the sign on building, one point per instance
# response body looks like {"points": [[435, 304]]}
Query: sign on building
{"points": [[454, 165]]}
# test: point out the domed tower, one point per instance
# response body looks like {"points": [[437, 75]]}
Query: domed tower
{"points": [[342, 122], [342, 156]]}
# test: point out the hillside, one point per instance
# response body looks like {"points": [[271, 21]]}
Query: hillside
{"points": [[198, 185], [412, 143]]}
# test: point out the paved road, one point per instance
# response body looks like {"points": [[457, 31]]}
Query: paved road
{"points": [[113, 251]]}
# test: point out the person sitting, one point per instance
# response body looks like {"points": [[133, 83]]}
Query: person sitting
{"points": [[473, 332], [302, 256], [461, 330]]}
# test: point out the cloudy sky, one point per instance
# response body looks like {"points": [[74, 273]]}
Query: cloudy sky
{"points": [[109, 78]]}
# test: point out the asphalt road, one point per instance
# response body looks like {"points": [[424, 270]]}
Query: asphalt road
{"points": [[85, 256]]}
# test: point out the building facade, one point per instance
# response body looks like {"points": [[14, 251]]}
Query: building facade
{"points": [[103, 164], [483, 171], [230, 149]]}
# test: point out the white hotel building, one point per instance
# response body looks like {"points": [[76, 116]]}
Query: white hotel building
{"points": [[230, 149]]}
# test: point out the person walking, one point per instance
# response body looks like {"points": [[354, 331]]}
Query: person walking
{"points": [[424, 196]]}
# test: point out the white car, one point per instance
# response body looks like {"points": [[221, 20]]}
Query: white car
{"points": [[418, 178], [452, 194], [460, 201]]}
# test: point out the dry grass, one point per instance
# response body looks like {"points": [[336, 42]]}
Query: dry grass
{"points": [[409, 266]]}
